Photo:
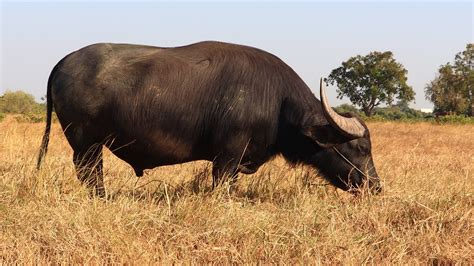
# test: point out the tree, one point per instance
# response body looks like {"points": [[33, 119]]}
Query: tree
{"points": [[453, 88], [371, 80], [17, 102]]}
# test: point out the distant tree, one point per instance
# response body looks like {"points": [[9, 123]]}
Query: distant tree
{"points": [[453, 88], [17, 102], [464, 63], [446, 91], [371, 80], [403, 105]]}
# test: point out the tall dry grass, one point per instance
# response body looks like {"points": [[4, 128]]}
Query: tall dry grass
{"points": [[280, 214]]}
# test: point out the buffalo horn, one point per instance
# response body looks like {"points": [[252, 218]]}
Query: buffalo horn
{"points": [[348, 126]]}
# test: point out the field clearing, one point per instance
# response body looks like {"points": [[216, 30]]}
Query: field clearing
{"points": [[280, 214]]}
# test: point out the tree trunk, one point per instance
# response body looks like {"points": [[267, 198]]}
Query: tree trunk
{"points": [[367, 110], [471, 102]]}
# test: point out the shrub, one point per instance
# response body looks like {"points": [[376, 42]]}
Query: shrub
{"points": [[454, 119], [347, 108], [17, 102], [30, 118]]}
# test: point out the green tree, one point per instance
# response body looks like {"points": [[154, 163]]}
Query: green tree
{"points": [[17, 102], [453, 88], [371, 80]]}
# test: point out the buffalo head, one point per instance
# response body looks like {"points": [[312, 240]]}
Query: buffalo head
{"points": [[345, 157]]}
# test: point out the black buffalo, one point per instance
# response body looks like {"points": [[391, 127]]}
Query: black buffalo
{"points": [[234, 105]]}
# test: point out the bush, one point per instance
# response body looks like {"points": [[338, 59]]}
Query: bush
{"points": [[20, 102], [30, 118], [347, 108], [393, 113], [454, 119], [397, 113], [23, 106]]}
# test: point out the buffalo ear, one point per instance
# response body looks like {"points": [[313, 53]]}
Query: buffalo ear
{"points": [[325, 136]]}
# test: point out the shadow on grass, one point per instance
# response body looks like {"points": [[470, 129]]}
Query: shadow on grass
{"points": [[200, 184], [265, 186]]}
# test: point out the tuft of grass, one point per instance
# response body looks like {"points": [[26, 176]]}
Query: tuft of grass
{"points": [[281, 214]]}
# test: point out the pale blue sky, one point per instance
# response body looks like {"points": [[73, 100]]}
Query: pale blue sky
{"points": [[312, 37]]}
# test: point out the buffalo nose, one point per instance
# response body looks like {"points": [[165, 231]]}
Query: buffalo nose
{"points": [[376, 188]]}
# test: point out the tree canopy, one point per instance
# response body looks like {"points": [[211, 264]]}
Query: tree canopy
{"points": [[453, 88], [371, 80], [19, 102]]}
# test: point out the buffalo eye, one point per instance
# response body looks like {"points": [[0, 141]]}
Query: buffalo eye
{"points": [[363, 149]]}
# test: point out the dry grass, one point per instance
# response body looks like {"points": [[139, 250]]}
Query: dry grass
{"points": [[280, 214]]}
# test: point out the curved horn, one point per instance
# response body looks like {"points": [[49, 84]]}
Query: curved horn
{"points": [[349, 127]]}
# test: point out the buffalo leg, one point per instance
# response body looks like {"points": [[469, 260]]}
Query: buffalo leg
{"points": [[88, 163]]}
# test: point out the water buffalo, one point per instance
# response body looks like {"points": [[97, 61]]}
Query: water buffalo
{"points": [[234, 105]]}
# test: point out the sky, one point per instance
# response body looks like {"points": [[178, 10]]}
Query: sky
{"points": [[312, 37]]}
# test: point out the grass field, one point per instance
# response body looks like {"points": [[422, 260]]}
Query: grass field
{"points": [[280, 214]]}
